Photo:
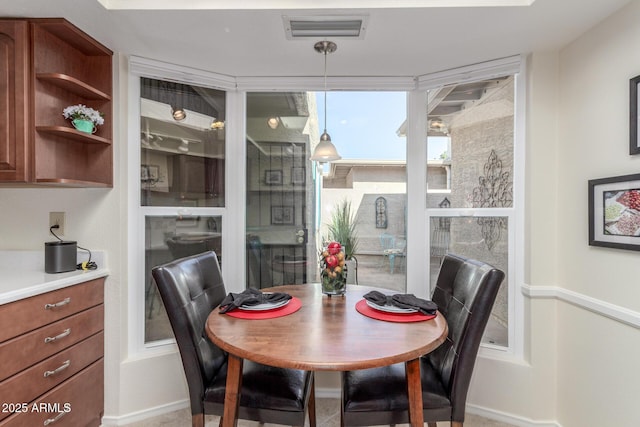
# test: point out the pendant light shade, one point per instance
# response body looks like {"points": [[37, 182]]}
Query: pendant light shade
{"points": [[325, 151]]}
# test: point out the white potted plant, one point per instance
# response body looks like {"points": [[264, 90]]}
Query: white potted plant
{"points": [[83, 118]]}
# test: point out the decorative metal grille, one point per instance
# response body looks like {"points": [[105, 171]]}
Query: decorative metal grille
{"points": [[495, 190]]}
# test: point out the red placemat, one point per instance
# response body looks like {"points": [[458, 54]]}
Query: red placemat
{"points": [[363, 308], [293, 306]]}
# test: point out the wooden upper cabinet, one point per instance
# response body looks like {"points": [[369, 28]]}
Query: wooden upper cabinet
{"points": [[59, 66], [14, 91]]}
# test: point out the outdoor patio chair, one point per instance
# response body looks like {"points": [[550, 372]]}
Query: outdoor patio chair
{"points": [[392, 248]]}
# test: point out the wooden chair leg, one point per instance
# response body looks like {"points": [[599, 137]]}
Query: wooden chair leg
{"points": [[311, 405], [456, 424], [197, 420]]}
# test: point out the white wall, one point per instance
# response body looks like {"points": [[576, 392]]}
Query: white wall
{"points": [[524, 389], [598, 373], [581, 367]]}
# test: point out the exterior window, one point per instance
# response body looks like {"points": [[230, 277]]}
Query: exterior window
{"points": [[182, 181], [465, 236], [182, 161], [295, 206], [468, 155], [470, 138], [168, 238]]}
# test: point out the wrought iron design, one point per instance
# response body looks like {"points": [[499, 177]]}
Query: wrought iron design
{"points": [[495, 190], [381, 212]]}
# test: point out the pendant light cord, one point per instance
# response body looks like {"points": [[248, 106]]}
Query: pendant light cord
{"points": [[325, 88]]}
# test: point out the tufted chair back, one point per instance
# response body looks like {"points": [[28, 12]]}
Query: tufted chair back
{"points": [[465, 293], [190, 289]]}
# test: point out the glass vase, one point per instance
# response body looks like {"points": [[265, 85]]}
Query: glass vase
{"points": [[333, 273]]}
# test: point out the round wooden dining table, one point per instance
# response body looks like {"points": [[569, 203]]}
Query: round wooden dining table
{"points": [[325, 334]]}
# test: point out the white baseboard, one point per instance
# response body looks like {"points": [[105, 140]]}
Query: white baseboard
{"points": [[145, 414], [325, 393], [504, 417], [328, 393]]}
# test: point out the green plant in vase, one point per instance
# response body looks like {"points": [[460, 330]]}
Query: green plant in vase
{"points": [[342, 228], [83, 118], [333, 269], [344, 242]]}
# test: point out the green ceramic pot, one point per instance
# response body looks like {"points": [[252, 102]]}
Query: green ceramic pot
{"points": [[84, 125]]}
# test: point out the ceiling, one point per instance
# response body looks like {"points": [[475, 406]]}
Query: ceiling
{"points": [[399, 41]]}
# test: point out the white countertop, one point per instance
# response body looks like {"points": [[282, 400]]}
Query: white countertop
{"points": [[22, 274]]}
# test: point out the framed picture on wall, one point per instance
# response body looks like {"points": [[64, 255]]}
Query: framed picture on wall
{"points": [[297, 175], [634, 115], [273, 177], [614, 212], [282, 215]]}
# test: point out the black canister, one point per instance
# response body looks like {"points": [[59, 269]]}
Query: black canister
{"points": [[60, 256]]}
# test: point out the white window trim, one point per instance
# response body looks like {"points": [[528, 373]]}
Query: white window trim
{"points": [[511, 65], [142, 67]]}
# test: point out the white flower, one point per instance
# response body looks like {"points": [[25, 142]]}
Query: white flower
{"points": [[83, 112]]}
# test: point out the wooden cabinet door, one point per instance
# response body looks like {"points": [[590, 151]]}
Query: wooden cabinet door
{"points": [[14, 78]]}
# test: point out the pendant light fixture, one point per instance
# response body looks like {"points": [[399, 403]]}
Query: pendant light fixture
{"points": [[325, 151]]}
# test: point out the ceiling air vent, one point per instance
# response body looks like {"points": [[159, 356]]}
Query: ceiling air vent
{"points": [[352, 27]]}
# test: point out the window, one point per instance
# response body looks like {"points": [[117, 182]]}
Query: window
{"points": [[454, 143], [473, 125], [292, 203], [182, 181]]}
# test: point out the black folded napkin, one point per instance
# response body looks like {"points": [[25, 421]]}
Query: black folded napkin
{"points": [[402, 301], [250, 296]]}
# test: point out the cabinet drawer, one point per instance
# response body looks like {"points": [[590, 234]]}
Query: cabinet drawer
{"points": [[77, 402], [28, 314], [26, 350], [35, 381]]}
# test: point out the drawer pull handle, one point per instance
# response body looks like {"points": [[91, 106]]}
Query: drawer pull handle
{"points": [[54, 419], [57, 337], [65, 301], [59, 369]]}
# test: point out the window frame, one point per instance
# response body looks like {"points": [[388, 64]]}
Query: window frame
{"points": [[138, 68], [235, 153], [516, 66]]}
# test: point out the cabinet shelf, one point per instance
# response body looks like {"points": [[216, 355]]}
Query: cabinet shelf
{"points": [[64, 182], [73, 134], [73, 85], [50, 64]]}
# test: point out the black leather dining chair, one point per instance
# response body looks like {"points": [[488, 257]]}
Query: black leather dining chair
{"points": [[465, 293], [191, 288]]}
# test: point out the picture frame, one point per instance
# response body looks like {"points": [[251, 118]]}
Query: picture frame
{"points": [[614, 212], [149, 174], [634, 116], [282, 215], [154, 173], [298, 175], [144, 173], [273, 177]]}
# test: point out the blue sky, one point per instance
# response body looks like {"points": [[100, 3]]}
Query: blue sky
{"points": [[363, 125]]}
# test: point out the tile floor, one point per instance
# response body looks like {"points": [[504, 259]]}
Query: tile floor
{"points": [[327, 415]]}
